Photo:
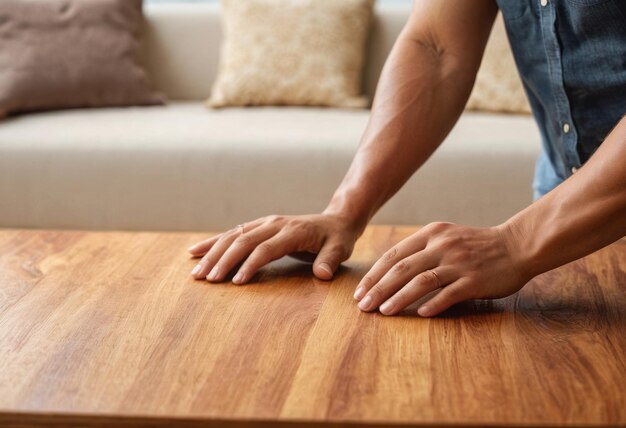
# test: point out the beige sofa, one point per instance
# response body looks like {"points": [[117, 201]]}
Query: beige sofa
{"points": [[184, 167]]}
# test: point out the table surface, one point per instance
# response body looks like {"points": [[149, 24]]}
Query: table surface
{"points": [[109, 328]]}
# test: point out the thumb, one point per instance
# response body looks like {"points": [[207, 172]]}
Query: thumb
{"points": [[328, 259]]}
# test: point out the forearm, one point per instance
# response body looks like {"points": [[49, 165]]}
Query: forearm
{"points": [[582, 215], [421, 94]]}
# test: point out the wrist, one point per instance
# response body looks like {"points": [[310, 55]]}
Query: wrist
{"points": [[343, 208], [521, 246]]}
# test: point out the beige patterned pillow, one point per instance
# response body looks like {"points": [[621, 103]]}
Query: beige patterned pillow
{"points": [[292, 52], [498, 87]]}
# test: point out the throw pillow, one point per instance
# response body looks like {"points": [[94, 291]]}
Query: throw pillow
{"points": [[71, 53], [292, 52], [498, 87]]}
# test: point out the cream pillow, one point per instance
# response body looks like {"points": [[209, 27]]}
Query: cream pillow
{"points": [[292, 52], [498, 87]]}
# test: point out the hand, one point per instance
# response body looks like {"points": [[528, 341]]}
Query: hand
{"points": [[325, 239], [466, 262]]}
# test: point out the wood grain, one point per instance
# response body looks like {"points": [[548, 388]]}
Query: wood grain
{"points": [[108, 328]]}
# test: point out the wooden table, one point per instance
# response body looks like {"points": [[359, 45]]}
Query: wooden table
{"points": [[109, 329]]}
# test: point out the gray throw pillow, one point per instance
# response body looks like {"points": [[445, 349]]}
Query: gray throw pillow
{"points": [[71, 53]]}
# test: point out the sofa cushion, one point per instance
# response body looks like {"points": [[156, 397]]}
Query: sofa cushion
{"points": [[71, 53], [181, 167], [281, 52], [184, 66]]}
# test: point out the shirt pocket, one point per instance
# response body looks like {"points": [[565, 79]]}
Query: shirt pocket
{"points": [[597, 17], [513, 9]]}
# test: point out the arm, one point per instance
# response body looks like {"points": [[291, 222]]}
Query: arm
{"points": [[580, 216], [422, 91], [423, 88]]}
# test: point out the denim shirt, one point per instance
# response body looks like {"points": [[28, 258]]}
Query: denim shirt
{"points": [[571, 56]]}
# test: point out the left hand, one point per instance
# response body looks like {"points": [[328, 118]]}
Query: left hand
{"points": [[468, 263]]}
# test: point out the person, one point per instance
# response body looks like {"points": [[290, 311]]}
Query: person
{"points": [[571, 56]]}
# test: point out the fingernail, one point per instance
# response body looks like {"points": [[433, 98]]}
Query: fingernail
{"points": [[387, 308], [238, 279], [196, 270], [424, 311], [364, 305], [358, 294], [213, 274], [191, 248], [326, 268]]}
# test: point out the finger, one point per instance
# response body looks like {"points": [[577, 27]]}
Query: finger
{"points": [[396, 278], [239, 249], [274, 248], [200, 248], [452, 294], [331, 255], [418, 287], [208, 261], [198, 271], [403, 249]]}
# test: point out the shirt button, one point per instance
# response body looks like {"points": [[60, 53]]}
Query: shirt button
{"points": [[566, 127], [574, 169], [544, 2]]}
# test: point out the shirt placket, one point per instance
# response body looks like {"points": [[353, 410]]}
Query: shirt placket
{"points": [[566, 130]]}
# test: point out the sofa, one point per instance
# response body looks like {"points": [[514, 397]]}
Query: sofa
{"points": [[182, 166]]}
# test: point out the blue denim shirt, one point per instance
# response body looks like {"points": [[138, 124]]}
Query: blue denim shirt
{"points": [[571, 56]]}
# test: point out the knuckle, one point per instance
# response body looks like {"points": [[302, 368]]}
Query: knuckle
{"points": [[340, 250], [274, 219], [449, 243], [367, 282], [244, 240], [377, 291], [265, 249], [297, 223], [249, 268], [223, 237], [255, 260], [296, 228], [469, 291], [347, 254], [437, 226], [455, 294], [426, 280], [206, 258], [390, 254], [401, 267]]}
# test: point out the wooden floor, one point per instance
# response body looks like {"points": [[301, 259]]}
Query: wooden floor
{"points": [[109, 328]]}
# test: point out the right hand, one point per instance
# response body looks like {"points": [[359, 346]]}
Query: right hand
{"points": [[325, 239]]}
